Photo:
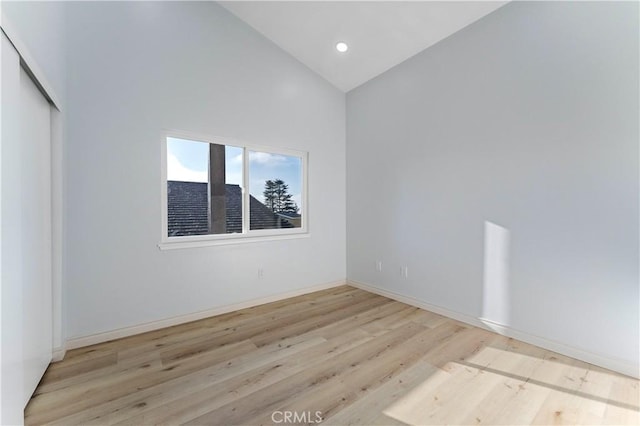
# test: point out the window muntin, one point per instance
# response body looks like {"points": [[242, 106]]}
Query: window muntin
{"points": [[197, 176]]}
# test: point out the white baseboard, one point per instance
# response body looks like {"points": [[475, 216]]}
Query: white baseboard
{"points": [[79, 342], [615, 364], [619, 365], [58, 354]]}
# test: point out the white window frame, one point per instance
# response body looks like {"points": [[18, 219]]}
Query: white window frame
{"points": [[247, 235]]}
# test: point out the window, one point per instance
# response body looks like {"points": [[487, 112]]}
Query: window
{"points": [[215, 191], [276, 190]]}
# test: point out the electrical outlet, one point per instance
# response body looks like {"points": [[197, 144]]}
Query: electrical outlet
{"points": [[379, 265], [260, 273]]}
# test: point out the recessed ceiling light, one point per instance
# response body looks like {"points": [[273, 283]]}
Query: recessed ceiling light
{"points": [[342, 47]]}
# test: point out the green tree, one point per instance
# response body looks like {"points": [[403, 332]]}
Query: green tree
{"points": [[277, 197]]}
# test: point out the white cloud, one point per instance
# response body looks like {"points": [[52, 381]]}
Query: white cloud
{"points": [[234, 177], [177, 171], [267, 159], [237, 159]]}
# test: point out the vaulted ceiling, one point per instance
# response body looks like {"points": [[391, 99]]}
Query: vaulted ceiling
{"points": [[379, 34]]}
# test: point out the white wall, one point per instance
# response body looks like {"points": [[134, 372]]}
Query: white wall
{"points": [[136, 68], [527, 119]]}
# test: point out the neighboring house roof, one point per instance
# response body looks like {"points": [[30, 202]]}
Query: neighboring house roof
{"points": [[188, 208], [289, 215]]}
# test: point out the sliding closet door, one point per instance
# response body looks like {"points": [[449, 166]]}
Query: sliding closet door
{"points": [[12, 373], [36, 231], [25, 254]]}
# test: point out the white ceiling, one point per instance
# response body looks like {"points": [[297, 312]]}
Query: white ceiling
{"points": [[380, 35]]}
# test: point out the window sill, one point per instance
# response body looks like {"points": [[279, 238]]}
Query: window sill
{"points": [[173, 245]]}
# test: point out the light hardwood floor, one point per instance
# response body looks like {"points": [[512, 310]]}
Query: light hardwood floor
{"points": [[355, 357]]}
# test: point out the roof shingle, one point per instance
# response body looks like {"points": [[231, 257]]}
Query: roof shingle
{"points": [[188, 210]]}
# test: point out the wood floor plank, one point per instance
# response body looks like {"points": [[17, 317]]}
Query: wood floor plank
{"points": [[305, 325], [266, 400], [514, 387], [144, 407], [264, 325], [160, 399], [46, 407], [349, 385], [624, 403], [391, 321], [160, 338], [122, 367], [172, 342], [556, 407], [357, 357], [370, 409], [359, 319], [79, 366], [256, 377]]}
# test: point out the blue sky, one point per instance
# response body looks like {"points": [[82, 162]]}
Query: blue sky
{"points": [[188, 161]]}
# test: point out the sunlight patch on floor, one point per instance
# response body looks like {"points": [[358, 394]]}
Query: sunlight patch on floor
{"points": [[518, 384]]}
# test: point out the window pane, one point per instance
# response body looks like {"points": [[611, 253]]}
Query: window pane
{"points": [[276, 191], [204, 192]]}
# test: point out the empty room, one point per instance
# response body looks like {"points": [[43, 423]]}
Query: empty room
{"points": [[320, 212]]}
